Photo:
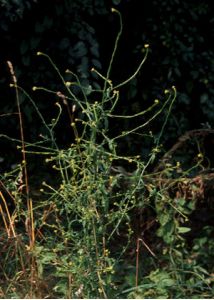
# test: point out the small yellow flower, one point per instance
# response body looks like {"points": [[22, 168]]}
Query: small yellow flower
{"points": [[146, 46], [156, 101], [200, 155], [106, 252], [178, 164], [114, 10], [68, 83], [155, 150]]}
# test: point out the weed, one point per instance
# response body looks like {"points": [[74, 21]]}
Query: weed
{"points": [[75, 238]]}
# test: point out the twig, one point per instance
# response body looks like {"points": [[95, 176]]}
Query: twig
{"points": [[137, 257], [182, 139]]}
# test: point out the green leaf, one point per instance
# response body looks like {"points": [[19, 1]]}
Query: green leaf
{"points": [[183, 229], [88, 89], [166, 282], [96, 63], [48, 257], [164, 218], [94, 50], [80, 49]]}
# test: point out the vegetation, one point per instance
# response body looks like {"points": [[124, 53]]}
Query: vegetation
{"points": [[82, 215]]}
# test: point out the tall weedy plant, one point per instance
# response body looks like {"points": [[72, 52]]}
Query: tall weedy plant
{"points": [[79, 229]]}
